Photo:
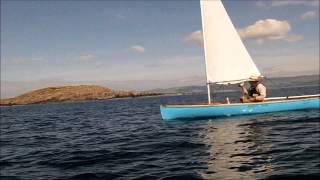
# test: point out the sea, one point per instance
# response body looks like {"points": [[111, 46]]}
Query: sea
{"points": [[127, 139]]}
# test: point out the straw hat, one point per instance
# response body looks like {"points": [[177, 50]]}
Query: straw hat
{"points": [[254, 78]]}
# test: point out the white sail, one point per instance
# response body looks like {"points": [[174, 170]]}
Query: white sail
{"points": [[227, 59]]}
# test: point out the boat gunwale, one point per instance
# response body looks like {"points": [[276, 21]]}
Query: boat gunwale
{"points": [[238, 104]]}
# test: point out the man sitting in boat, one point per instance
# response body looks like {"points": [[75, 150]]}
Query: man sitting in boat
{"points": [[256, 93]]}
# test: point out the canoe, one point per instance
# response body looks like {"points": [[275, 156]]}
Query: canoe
{"points": [[227, 61], [171, 112]]}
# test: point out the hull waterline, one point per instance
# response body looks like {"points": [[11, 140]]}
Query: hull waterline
{"points": [[170, 112]]}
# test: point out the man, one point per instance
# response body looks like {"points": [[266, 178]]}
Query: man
{"points": [[256, 93]]}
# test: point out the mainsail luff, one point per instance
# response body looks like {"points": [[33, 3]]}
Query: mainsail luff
{"points": [[227, 59]]}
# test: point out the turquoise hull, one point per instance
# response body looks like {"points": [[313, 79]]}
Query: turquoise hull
{"points": [[170, 112]]}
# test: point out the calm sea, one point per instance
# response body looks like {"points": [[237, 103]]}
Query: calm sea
{"points": [[127, 139]]}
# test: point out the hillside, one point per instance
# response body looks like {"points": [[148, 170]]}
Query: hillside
{"points": [[71, 93]]}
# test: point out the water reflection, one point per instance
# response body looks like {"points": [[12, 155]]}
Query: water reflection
{"points": [[237, 150]]}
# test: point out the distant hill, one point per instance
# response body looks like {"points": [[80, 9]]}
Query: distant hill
{"points": [[270, 83], [71, 93]]}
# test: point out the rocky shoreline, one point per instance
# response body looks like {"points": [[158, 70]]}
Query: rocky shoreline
{"points": [[71, 94]]}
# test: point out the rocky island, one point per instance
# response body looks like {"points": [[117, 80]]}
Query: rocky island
{"points": [[71, 94]]}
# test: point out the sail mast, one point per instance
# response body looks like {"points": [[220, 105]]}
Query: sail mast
{"points": [[205, 55], [209, 93]]}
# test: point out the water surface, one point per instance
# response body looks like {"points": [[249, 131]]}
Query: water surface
{"points": [[127, 139]]}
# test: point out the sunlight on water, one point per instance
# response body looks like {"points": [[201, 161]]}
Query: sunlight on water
{"points": [[231, 144]]}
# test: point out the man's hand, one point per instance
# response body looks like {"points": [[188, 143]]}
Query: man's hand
{"points": [[241, 84]]}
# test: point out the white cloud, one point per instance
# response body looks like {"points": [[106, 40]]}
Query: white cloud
{"points": [[86, 57], [138, 49], [120, 16], [195, 37], [269, 29], [283, 3], [277, 3], [308, 15], [286, 3]]}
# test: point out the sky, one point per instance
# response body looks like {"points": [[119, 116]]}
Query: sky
{"points": [[141, 45]]}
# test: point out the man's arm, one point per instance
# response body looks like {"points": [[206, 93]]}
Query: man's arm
{"points": [[244, 90]]}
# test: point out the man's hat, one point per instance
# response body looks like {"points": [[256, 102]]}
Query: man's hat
{"points": [[254, 78]]}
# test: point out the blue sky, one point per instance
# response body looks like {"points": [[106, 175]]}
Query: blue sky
{"points": [[142, 44]]}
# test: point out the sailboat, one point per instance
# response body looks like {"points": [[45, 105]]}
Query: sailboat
{"points": [[228, 62]]}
